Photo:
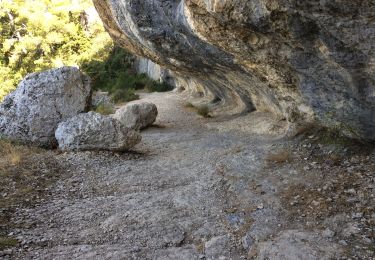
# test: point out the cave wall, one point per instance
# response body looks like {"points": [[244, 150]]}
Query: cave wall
{"points": [[304, 61]]}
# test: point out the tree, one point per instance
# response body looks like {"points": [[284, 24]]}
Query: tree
{"points": [[38, 35]]}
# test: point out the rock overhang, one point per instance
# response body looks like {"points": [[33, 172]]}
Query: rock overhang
{"points": [[303, 61]]}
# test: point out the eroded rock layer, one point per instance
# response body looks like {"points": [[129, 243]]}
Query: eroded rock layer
{"points": [[305, 61]]}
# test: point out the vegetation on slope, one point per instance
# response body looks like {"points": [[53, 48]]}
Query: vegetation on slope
{"points": [[39, 35]]}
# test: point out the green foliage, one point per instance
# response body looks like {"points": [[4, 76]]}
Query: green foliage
{"points": [[203, 111], [124, 95], [38, 35], [115, 75], [112, 72], [159, 87]]}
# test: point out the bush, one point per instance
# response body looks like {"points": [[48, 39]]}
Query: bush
{"points": [[124, 95], [39, 35], [116, 76], [204, 111], [159, 87]]}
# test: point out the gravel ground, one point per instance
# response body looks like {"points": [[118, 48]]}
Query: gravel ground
{"points": [[205, 188]]}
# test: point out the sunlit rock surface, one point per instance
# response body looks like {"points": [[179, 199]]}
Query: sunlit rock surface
{"points": [[41, 101], [93, 131], [137, 115], [304, 61]]}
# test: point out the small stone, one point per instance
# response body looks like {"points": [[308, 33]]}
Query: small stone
{"points": [[6, 252], [247, 242], [357, 215], [350, 191], [328, 233], [351, 229]]}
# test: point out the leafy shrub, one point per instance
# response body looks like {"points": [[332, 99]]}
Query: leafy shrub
{"points": [[159, 87], [39, 35], [116, 76], [203, 111], [124, 95]]}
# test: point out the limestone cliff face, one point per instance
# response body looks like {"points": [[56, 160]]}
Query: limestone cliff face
{"points": [[305, 61]]}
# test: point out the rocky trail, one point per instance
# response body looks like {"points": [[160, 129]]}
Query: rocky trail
{"points": [[205, 188]]}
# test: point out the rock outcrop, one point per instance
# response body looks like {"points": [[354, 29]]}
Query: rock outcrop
{"points": [[92, 131], [137, 115], [42, 100], [153, 70], [304, 61]]}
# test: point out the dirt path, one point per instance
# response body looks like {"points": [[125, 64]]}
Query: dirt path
{"points": [[193, 189]]}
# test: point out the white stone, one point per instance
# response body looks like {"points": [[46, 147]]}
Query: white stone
{"points": [[137, 115], [41, 101], [92, 131]]}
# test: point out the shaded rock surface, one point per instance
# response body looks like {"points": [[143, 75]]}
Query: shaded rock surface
{"points": [[93, 131], [137, 115], [305, 61], [41, 101]]}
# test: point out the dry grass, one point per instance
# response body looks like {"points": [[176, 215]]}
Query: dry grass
{"points": [[189, 105], [25, 174], [11, 154], [160, 126], [105, 109], [282, 156], [7, 242], [202, 110]]}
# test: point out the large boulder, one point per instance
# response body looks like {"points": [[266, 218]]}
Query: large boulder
{"points": [[41, 101], [93, 131], [137, 115]]}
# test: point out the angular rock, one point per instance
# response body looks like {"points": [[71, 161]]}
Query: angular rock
{"points": [[41, 101], [137, 115], [304, 61], [93, 131]]}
